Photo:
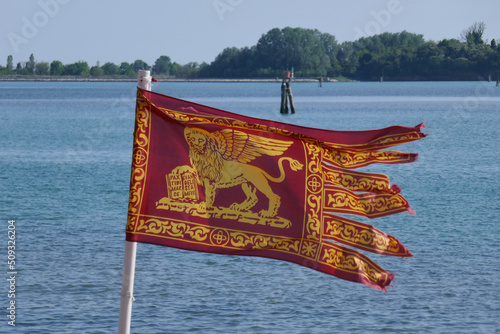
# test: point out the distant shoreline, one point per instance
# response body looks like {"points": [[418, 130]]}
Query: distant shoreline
{"points": [[75, 79], [80, 79]]}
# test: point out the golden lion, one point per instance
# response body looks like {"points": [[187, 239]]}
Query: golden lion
{"points": [[220, 161]]}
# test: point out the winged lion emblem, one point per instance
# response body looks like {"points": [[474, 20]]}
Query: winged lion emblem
{"points": [[221, 159]]}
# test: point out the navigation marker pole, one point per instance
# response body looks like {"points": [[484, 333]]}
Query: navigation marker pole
{"points": [[286, 94], [144, 82]]}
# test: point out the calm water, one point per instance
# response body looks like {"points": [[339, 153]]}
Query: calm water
{"points": [[65, 153]]}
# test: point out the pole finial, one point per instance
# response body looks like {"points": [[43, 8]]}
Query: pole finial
{"points": [[144, 79]]}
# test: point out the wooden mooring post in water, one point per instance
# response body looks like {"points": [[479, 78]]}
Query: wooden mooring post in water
{"points": [[286, 95]]}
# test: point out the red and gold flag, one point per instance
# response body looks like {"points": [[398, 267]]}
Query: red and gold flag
{"points": [[208, 180]]}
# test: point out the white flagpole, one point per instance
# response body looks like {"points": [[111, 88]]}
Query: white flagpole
{"points": [[144, 82], [127, 287]]}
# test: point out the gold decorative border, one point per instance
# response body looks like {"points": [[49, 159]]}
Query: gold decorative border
{"points": [[353, 262], [311, 242], [362, 236], [213, 236], [140, 158], [174, 229], [385, 141], [370, 205], [356, 181], [356, 159]]}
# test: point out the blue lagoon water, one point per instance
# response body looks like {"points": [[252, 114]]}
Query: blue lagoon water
{"points": [[65, 154]]}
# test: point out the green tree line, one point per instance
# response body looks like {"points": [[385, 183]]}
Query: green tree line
{"points": [[311, 53]]}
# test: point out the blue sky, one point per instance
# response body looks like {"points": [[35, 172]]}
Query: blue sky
{"points": [[198, 30]]}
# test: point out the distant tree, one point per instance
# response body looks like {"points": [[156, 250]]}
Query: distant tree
{"points": [[389, 54], [226, 63], [428, 58], [310, 52], [10, 64], [493, 44], [56, 68], [348, 58], [452, 48], [140, 65], [204, 70], [30, 65], [42, 68], [474, 34], [331, 48], [162, 65], [110, 69], [190, 70], [175, 69], [80, 68], [19, 68], [271, 50], [96, 71], [126, 69]]}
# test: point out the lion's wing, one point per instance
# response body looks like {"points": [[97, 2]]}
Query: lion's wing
{"points": [[244, 147]]}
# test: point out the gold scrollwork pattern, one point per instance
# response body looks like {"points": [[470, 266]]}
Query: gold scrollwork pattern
{"points": [[393, 140], [174, 229], [255, 241], [363, 236], [314, 184], [190, 118], [368, 204], [314, 194], [215, 236], [244, 240], [313, 223], [357, 181], [382, 141], [353, 235], [131, 221], [356, 159], [313, 152], [139, 156], [356, 263]]}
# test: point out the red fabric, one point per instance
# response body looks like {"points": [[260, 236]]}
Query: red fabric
{"points": [[209, 180]]}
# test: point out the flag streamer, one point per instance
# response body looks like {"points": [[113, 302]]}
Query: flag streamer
{"points": [[208, 180], [369, 204], [362, 236], [357, 181]]}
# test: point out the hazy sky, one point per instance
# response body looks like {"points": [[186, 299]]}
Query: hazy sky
{"points": [[198, 30]]}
